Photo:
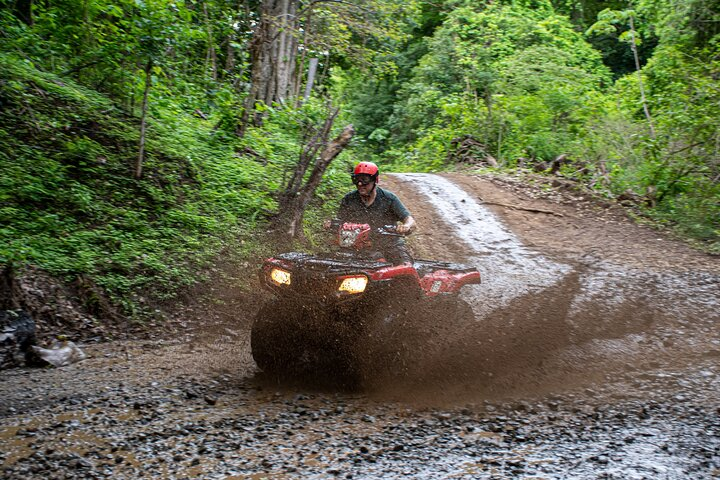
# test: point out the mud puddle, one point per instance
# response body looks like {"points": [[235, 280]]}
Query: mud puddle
{"points": [[176, 427]]}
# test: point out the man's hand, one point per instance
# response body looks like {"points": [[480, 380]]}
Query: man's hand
{"points": [[407, 226], [327, 224]]}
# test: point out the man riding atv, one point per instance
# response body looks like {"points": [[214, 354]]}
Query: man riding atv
{"points": [[377, 207], [348, 310]]}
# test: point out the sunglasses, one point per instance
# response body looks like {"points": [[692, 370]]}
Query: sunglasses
{"points": [[363, 179]]}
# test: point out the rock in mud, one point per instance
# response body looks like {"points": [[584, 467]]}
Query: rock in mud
{"points": [[17, 337], [60, 354]]}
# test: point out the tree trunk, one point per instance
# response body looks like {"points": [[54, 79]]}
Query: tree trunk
{"points": [[309, 153], [24, 11], [297, 196], [273, 54], [307, 25], [312, 68], [283, 44], [143, 120], [306, 193], [211, 56], [240, 15], [633, 47]]}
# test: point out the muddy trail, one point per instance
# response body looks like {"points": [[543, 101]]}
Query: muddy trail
{"points": [[594, 353]]}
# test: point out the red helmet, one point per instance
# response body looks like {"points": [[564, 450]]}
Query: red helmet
{"points": [[366, 168]]}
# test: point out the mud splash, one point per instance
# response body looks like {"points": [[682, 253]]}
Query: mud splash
{"points": [[545, 324]]}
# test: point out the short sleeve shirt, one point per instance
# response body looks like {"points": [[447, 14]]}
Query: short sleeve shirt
{"points": [[387, 209]]}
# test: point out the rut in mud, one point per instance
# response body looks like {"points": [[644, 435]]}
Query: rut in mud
{"points": [[594, 353]]}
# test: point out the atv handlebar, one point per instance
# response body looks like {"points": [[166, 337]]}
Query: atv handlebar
{"points": [[387, 230]]}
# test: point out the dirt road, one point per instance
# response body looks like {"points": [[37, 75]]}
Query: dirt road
{"points": [[595, 354]]}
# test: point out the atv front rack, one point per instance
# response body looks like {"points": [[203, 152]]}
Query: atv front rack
{"points": [[317, 278]]}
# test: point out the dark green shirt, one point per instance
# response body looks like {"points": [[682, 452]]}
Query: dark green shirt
{"points": [[387, 209]]}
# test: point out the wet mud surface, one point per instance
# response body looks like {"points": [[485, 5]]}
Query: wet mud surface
{"points": [[595, 353]]}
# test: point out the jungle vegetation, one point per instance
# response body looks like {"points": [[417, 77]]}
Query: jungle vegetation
{"points": [[141, 140]]}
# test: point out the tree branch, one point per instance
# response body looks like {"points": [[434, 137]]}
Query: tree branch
{"points": [[518, 207], [350, 4]]}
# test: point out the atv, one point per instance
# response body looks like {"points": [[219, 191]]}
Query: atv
{"points": [[344, 310]]}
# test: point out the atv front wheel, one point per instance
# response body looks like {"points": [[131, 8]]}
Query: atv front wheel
{"points": [[289, 340], [272, 337]]}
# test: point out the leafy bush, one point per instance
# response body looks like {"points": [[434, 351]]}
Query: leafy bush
{"points": [[71, 206]]}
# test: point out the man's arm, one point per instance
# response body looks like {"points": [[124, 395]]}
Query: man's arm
{"points": [[407, 226]]}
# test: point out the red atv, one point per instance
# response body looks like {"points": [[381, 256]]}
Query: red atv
{"points": [[342, 311]]}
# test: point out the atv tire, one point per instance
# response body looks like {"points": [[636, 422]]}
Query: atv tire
{"points": [[272, 337], [291, 341]]}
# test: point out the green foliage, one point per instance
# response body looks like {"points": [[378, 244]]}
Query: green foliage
{"points": [[69, 203], [360, 33], [524, 84], [413, 77], [512, 77]]}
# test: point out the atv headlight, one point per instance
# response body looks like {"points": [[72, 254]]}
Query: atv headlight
{"points": [[355, 284], [280, 276]]}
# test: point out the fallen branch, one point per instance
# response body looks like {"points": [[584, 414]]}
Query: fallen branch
{"points": [[518, 207]]}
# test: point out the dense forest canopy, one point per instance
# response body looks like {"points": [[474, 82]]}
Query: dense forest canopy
{"points": [[140, 138]]}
